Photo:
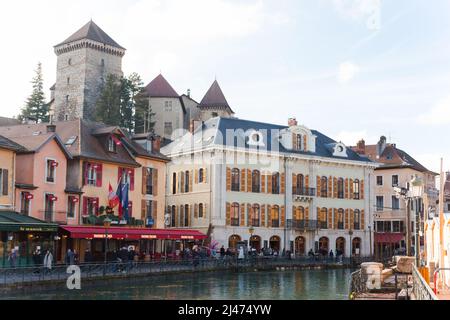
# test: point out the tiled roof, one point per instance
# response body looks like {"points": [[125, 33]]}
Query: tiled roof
{"points": [[8, 122], [214, 97], [216, 131], [6, 143], [91, 31], [160, 88]]}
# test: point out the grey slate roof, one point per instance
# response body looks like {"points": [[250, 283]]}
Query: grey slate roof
{"points": [[216, 129], [91, 31]]}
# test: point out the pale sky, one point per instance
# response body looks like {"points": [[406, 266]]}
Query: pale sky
{"points": [[351, 69]]}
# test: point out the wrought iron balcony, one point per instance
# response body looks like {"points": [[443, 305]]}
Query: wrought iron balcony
{"points": [[302, 225], [303, 194]]}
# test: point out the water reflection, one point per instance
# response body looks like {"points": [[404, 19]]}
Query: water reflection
{"points": [[288, 285]]}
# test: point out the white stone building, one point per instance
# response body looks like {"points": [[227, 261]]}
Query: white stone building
{"points": [[283, 187]]}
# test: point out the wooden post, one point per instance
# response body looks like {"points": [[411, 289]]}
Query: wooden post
{"points": [[441, 222]]}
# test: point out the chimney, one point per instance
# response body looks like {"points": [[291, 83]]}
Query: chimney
{"points": [[156, 143], [292, 122], [361, 146], [51, 128], [189, 93]]}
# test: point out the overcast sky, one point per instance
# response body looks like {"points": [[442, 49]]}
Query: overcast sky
{"points": [[351, 69]]}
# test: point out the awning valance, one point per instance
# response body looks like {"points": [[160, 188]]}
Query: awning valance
{"points": [[14, 222], [388, 237], [123, 233]]}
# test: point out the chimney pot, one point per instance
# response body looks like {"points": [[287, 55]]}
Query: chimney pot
{"points": [[51, 128], [156, 143]]}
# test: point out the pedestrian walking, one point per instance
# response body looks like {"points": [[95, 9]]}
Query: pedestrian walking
{"points": [[48, 261], [12, 257]]}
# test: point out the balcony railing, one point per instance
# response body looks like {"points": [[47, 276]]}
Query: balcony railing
{"points": [[310, 192], [235, 222], [302, 225], [255, 222]]}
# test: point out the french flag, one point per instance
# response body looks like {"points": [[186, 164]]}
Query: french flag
{"points": [[113, 198]]}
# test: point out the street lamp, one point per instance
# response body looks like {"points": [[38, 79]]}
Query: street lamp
{"points": [[417, 192], [350, 233], [107, 225], [370, 240]]}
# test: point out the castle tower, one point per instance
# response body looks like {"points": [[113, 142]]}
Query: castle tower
{"points": [[214, 104], [84, 61]]}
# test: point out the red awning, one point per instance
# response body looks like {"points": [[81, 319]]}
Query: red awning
{"points": [[123, 233], [388, 237]]}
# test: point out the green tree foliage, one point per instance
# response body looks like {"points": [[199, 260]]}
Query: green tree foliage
{"points": [[107, 109], [122, 104], [36, 108]]}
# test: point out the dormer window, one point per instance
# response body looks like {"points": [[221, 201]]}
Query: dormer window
{"points": [[112, 147], [297, 142], [340, 150]]}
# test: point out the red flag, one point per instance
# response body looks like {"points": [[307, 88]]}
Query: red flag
{"points": [[113, 198]]}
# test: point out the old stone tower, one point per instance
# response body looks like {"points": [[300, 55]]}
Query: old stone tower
{"points": [[84, 61]]}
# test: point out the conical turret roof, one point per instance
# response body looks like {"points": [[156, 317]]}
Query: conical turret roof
{"points": [[215, 97], [160, 87], [91, 31]]}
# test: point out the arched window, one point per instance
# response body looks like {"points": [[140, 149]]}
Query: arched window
{"points": [[324, 187], [300, 185], [356, 195], [299, 141], [340, 187], [254, 215], [233, 241], [324, 246], [235, 214], [340, 218], [174, 183], [276, 183], [340, 246], [356, 246], [174, 217], [235, 180], [323, 218], [200, 210], [256, 181], [356, 219], [186, 181], [275, 216], [300, 246], [201, 175]]}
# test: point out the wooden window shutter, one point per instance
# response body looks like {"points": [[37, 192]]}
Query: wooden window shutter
{"points": [[305, 143], [5, 176], [307, 181], [191, 180], [346, 219], [249, 214], [228, 214], [352, 218], [283, 216], [196, 211], [269, 216], [182, 182], [335, 187], [319, 214], [143, 209], [283, 183], [336, 220], [85, 172], [362, 220], [249, 180], [294, 142], [319, 187], [196, 176], [361, 191], [294, 183], [85, 206], [294, 213], [144, 180], [99, 172], [155, 181], [242, 215], [228, 179], [188, 213], [330, 187], [263, 183], [330, 218], [176, 216], [269, 183], [263, 215], [307, 213], [205, 207], [155, 213], [351, 196], [346, 189], [243, 180], [97, 205]]}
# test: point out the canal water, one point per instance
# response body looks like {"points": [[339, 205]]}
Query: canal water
{"points": [[273, 285]]}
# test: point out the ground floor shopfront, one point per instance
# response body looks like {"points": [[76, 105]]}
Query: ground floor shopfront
{"points": [[299, 243], [389, 244], [24, 235], [149, 244]]}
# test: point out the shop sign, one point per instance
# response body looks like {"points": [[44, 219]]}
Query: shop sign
{"points": [[102, 236], [148, 236], [187, 237]]}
